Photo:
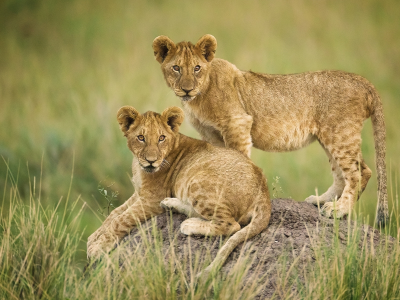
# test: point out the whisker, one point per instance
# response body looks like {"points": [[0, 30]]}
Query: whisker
{"points": [[165, 164]]}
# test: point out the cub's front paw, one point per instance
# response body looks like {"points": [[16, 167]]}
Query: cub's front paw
{"points": [[335, 209], [94, 251], [95, 235], [101, 246], [317, 200]]}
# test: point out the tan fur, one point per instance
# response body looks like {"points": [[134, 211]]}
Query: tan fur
{"points": [[218, 188], [240, 109]]}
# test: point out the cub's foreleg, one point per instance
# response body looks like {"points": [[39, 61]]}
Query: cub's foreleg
{"points": [[116, 212], [236, 133], [122, 224]]}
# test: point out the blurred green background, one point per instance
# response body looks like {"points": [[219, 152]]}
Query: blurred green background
{"points": [[67, 66]]}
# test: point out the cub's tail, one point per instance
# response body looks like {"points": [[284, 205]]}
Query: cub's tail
{"points": [[378, 124]]}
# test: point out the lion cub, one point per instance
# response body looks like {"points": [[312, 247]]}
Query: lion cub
{"points": [[220, 189], [240, 109]]}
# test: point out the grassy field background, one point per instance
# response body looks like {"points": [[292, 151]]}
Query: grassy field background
{"points": [[67, 66]]}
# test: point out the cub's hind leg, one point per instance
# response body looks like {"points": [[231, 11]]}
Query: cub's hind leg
{"points": [[365, 176], [346, 151], [213, 219], [197, 226], [335, 190]]}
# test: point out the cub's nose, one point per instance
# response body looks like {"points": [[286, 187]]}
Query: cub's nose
{"points": [[187, 91], [151, 161]]}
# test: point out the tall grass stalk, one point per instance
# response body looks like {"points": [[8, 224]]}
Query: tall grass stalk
{"points": [[355, 269], [38, 261], [362, 264], [38, 250], [37, 246]]}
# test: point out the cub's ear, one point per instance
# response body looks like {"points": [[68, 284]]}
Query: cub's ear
{"points": [[207, 45], [174, 117], [162, 46], [126, 116]]}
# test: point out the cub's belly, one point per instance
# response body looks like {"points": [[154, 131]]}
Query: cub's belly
{"points": [[282, 139]]}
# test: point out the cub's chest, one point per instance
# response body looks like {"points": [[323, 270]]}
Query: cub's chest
{"points": [[198, 116], [136, 176]]}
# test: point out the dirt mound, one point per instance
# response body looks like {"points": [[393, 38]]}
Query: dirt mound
{"points": [[292, 223]]}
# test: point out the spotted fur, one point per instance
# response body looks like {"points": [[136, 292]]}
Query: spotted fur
{"points": [[220, 189], [240, 109]]}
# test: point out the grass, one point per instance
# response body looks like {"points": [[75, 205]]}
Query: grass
{"points": [[38, 260], [67, 66], [360, 270]]}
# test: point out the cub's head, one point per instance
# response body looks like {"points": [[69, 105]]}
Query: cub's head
{"points": [[185, 66], [150, 136]]}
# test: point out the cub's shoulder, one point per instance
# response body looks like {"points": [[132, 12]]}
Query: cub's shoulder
{"points": [[224, 66]]}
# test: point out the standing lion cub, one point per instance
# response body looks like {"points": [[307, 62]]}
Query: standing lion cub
{"points": [[239, 109], [219, 189]]}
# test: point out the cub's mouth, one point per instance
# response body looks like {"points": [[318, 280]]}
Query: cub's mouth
{"points": [[187, 98], [150, 169], [186, 95]]}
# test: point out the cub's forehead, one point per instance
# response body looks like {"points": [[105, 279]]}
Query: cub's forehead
{"points": [[151, 122], [186, 53]]}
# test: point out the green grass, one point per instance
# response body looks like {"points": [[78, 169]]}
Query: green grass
{"points": [[359, 270], [66, 67], [38, 260]]}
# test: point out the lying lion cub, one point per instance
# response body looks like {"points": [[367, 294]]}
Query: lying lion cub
{"points": [[219, 189], [240, 109]]}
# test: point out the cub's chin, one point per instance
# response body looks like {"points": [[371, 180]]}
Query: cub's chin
{"points": [[187, 98], [150, 169]]}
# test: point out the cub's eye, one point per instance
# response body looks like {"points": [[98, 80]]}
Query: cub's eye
{"points": [[140, 138], [176, 68], [197, 68], [161, 138]]}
